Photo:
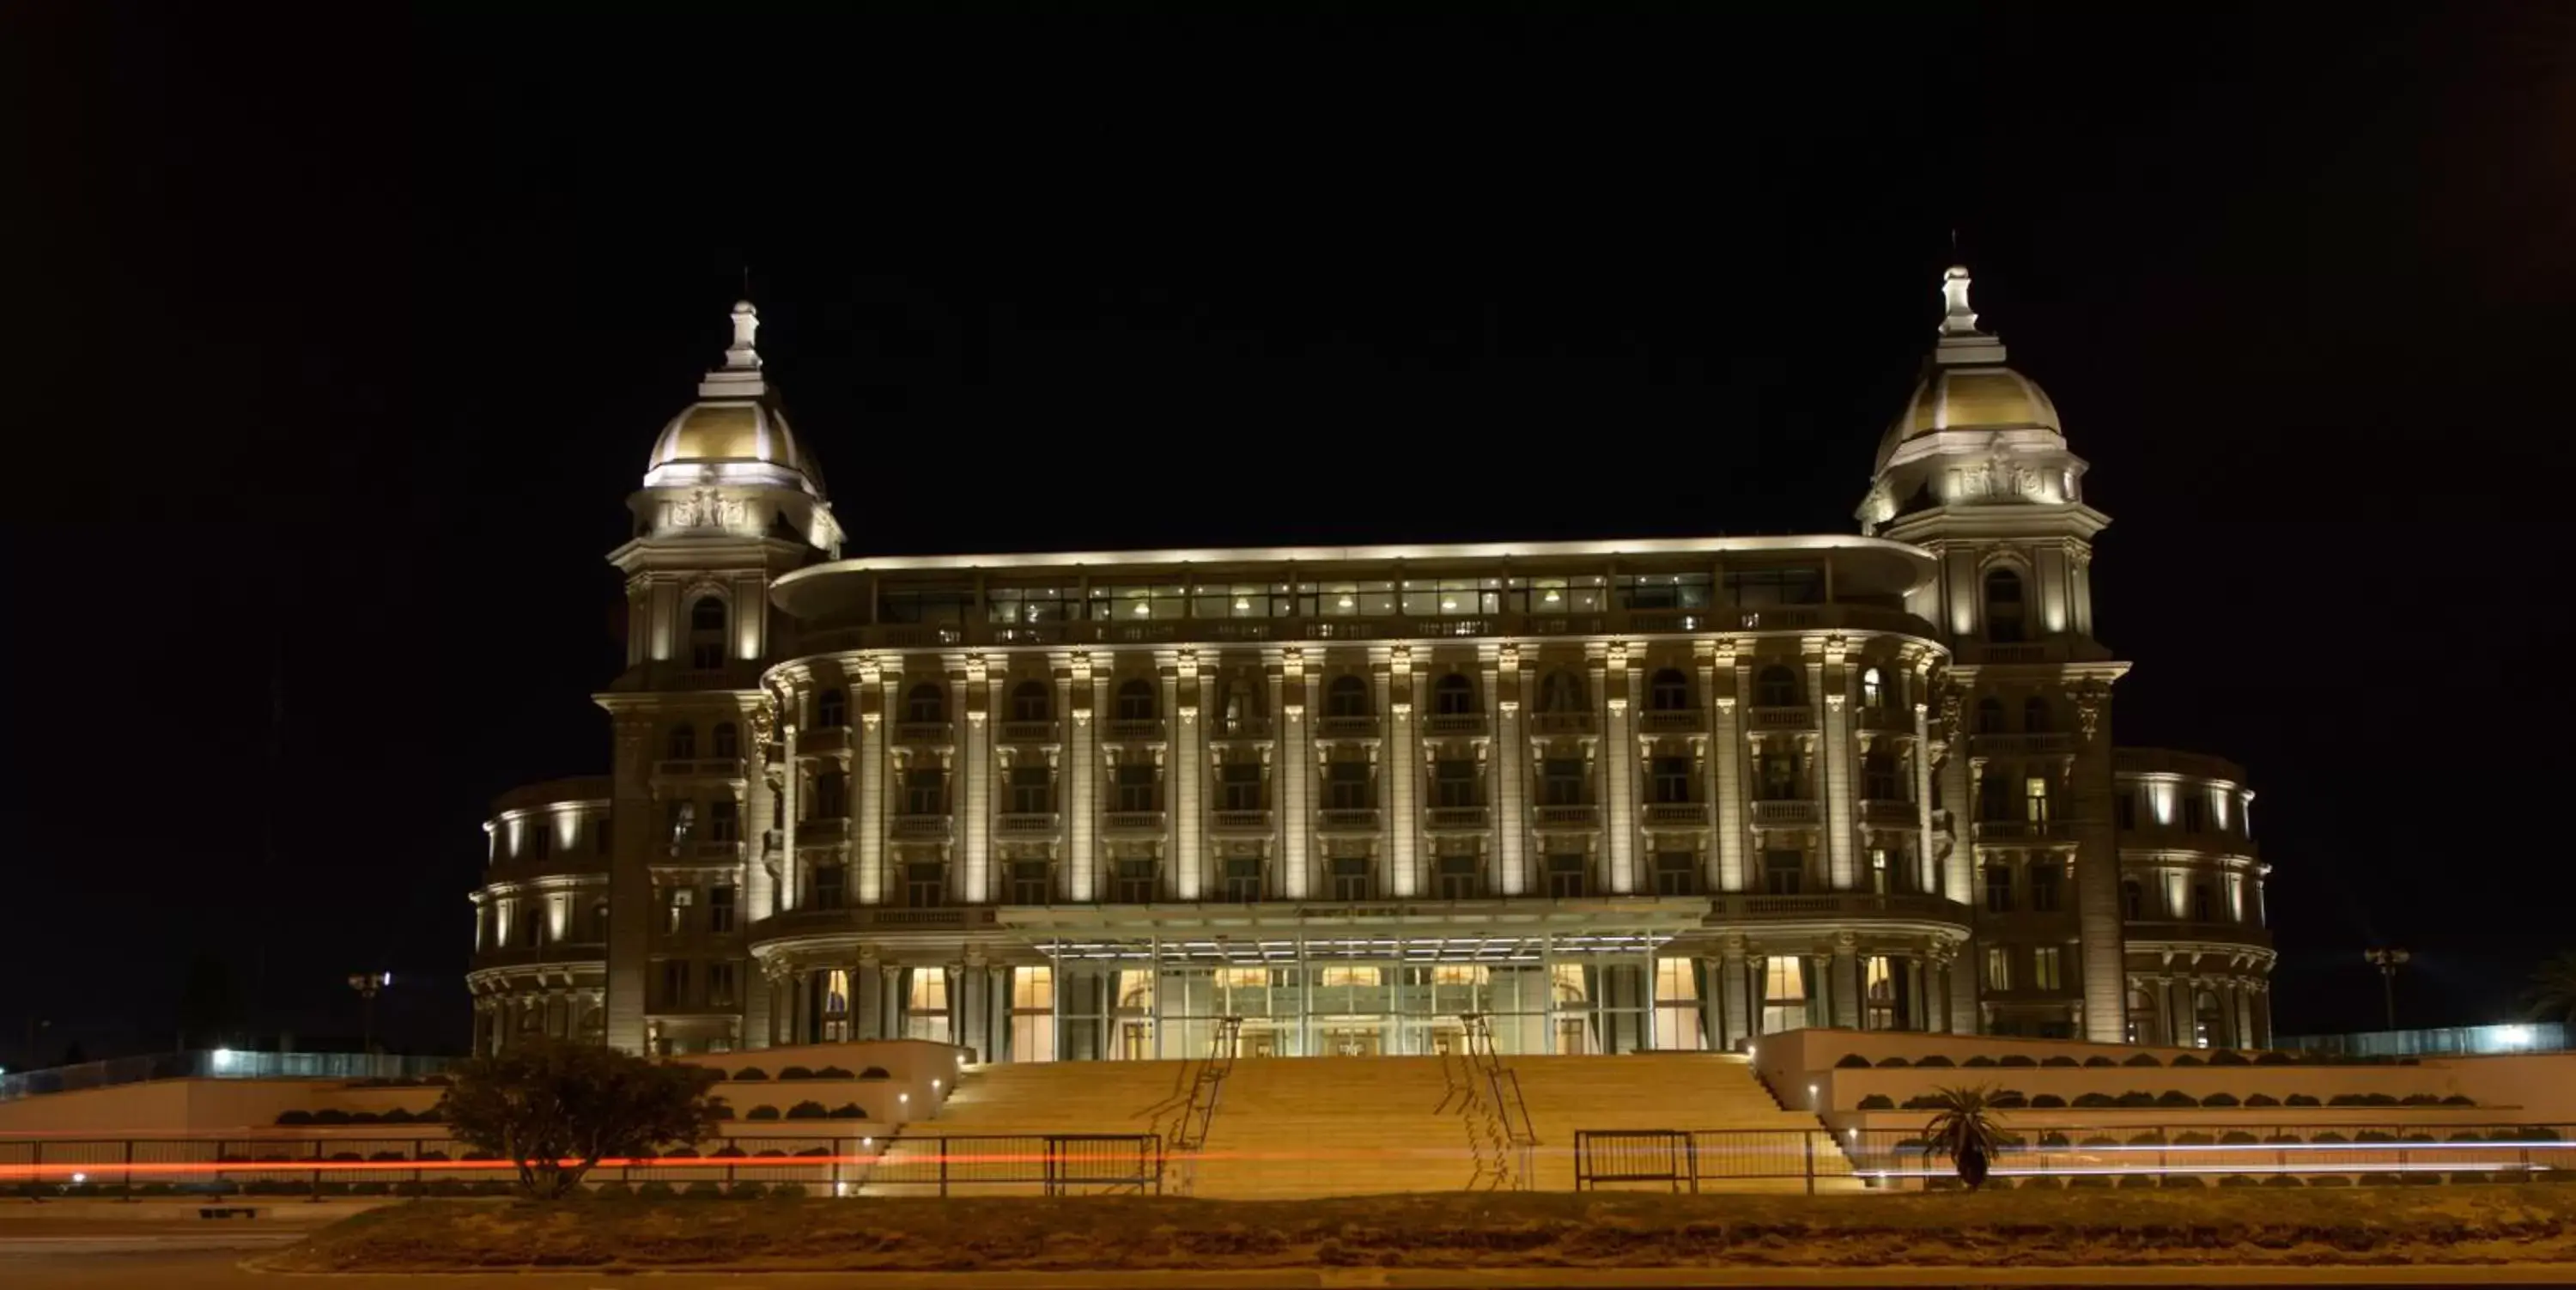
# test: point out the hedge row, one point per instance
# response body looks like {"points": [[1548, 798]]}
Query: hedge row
{"points": [[2170, 1099], [333, 1115], [2221, 1057], [2053, 1140], [754, 1074]]}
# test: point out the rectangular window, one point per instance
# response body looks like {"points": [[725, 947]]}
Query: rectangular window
{"points": [[720, 985], [1672, 779], [1033, 1014], [1780, 777], [925, 791], [1453, 782], [720, 907], [1138, 602], [1565, 876], [1029, 885], [2195, 815], [1999, 889], [1880, 875], [1883, 995], [933, 604], [675, 983], [2124, 810], [832, 795], [1661, 591], [1350, 878], [1783, 872], [724, 821], [1459, 877], [925, 884], [1677, 1006], [1558, 595], [1032, 790], [1346, 785], [680, 899], [1561, 781], [1676, 873], [1879, 780], [1352, 599], [1032, 604], [2047, 880], [1784, 993], [1131, 881], [829, 886], [2034, 791], [1998, 968], [540, 835], [2046, 967], [1136, 788], [530, 927], [1242, 879], [1753, 588], [1242, 785]]}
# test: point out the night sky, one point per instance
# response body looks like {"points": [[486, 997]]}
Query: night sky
{"points": [[350, 330]]}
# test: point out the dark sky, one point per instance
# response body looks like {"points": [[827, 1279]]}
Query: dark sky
{"points": [[350, 328]]}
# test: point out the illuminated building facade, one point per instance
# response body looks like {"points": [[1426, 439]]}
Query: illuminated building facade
{"points": [[1603, 796]]}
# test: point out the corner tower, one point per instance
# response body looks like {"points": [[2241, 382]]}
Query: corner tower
{"points": [[730, 500], [1976, 470]]}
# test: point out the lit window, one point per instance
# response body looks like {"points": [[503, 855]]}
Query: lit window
{"points": [[2046, 968], [1677, 1009], [1883, 995], [1998, 968], [1873, 688], [680, 900], [1784, 993], [2034, 792], [1349, 976]]}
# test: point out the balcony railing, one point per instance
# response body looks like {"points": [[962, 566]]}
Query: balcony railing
{"points": [[1346, 728], [822, 740], [1841, 904], [1788, 717], [921, 828], [698, 768], [1454, 725], [826, 830], [704, 852], [1347, 821], [2040, 744], [2173, 929], [1785, 813], [921, 733], [1580, 816], [1132, 824], [2025, 831], [1028, 825], [1240, 730], [1676, 815], [1031, 732], [1890, 720], [1889, 813], [1133, 730], [1672, 721], [1457, 819], [1240, 823], [1564, 723]]}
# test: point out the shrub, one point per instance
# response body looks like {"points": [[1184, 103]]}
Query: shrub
{"points": [[331, 1115], [2331, 1180], [434, 1115], [1891, 1063], [395, 1116], [2283, 1180], [655, 1190], [2057, 1059], [833, 1072], [726, 1152], [849, 1111], [2015, 1059], [2010, 1100], [2262, 1099], [2378, 1099], [2186, 1059], [2137, 1180], [2052, 1139], [751, 1074], [2098, 1059], [2044, 1181], [1878, 1102], [388, 1155], [769, 1153], [746, 1191], [295, 1117], [560, 1106], [2089, 1180], [436, 1081], [2329, 1136], [2101, 1140], [2538, 1133], [787, 1191], [2344, 1099], [2185, 1180], [2219, 1099], [1919, 1102], [2239, 1180], [2299, 1099], [2194, 1138], [2416, 1137], [1851, 1062], [2176, 1097], [2459, 1099], [613, 1190], [2137, 1098], [2142, 1059], [1979, 1059], [703, 1189], [2228, 1057], [2046, 1101], [2150, 1138], [795, 1072], [681, 1153], [1937, 1060], [814, 1151], [2467, 1135], [2379, 1180], [2470, 1176], [447, 1187], [2419, 1099], [2237, 1138], [2282, 1139], [719, 1109], [808, 1110], [762, 1112], [2273, 1057], [873, 1072], [363, 1117], [2095, 1100]]}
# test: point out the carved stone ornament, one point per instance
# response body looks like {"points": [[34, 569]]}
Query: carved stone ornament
{"points": [[2088, 709]]}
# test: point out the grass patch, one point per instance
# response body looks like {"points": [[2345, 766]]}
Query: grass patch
{"points": [[2069, 1227]]}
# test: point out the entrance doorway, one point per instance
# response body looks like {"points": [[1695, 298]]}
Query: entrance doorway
{"points": [[1442, 1039], [1257, 1041], [1342, 1039]]}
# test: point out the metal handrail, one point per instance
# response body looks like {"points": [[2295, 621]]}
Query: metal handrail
{"points": [[1511, 1110]]}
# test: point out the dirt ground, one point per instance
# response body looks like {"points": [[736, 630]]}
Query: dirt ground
{"points": [[2249, 1226]]}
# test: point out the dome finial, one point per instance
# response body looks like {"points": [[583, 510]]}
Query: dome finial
{"points": [[1957, 319], [741, 356]]}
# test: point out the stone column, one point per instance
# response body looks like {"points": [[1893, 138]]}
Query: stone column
{"points": [[975, 794], [1403, 783], [1835, 777], [1618, 772], [1294, 771], [1736, 1020], [867, 791], [1925, 879], [1184, 771], [1510, 774], [1847, 981], [1081, 801]]}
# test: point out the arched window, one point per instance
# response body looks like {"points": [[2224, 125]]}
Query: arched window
{"points": [[1668, 691], [832, 709], [1347, 696], [2133, 900], [728, 742], [1240, 709], [2034, 715], [707, 633], [1777, 687], [1136, 700], [2208, 1020], [2003, 606], [925, 703], [2144, 1027], [1562, 691], [1454, 695], [684, 741], [1032, 701], [1990, 716], [1873, 688]]}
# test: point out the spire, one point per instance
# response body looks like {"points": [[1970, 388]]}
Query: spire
{"points": [[739, 378], [1961, 343]]}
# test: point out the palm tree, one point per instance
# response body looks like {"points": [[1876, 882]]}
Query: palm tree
{"points": [[2553, 989], [1965, 1131]]}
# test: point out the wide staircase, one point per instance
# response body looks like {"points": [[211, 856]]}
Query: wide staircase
{"points": [[1288, 1127], [1684, 1091], [1032, 1100]]}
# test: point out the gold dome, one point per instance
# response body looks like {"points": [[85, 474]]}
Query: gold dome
{"points": [[1970, 398], [728, 430]]}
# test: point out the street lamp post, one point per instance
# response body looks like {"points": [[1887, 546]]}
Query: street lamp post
{"points": [[2387, 961], [368, 984]]}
